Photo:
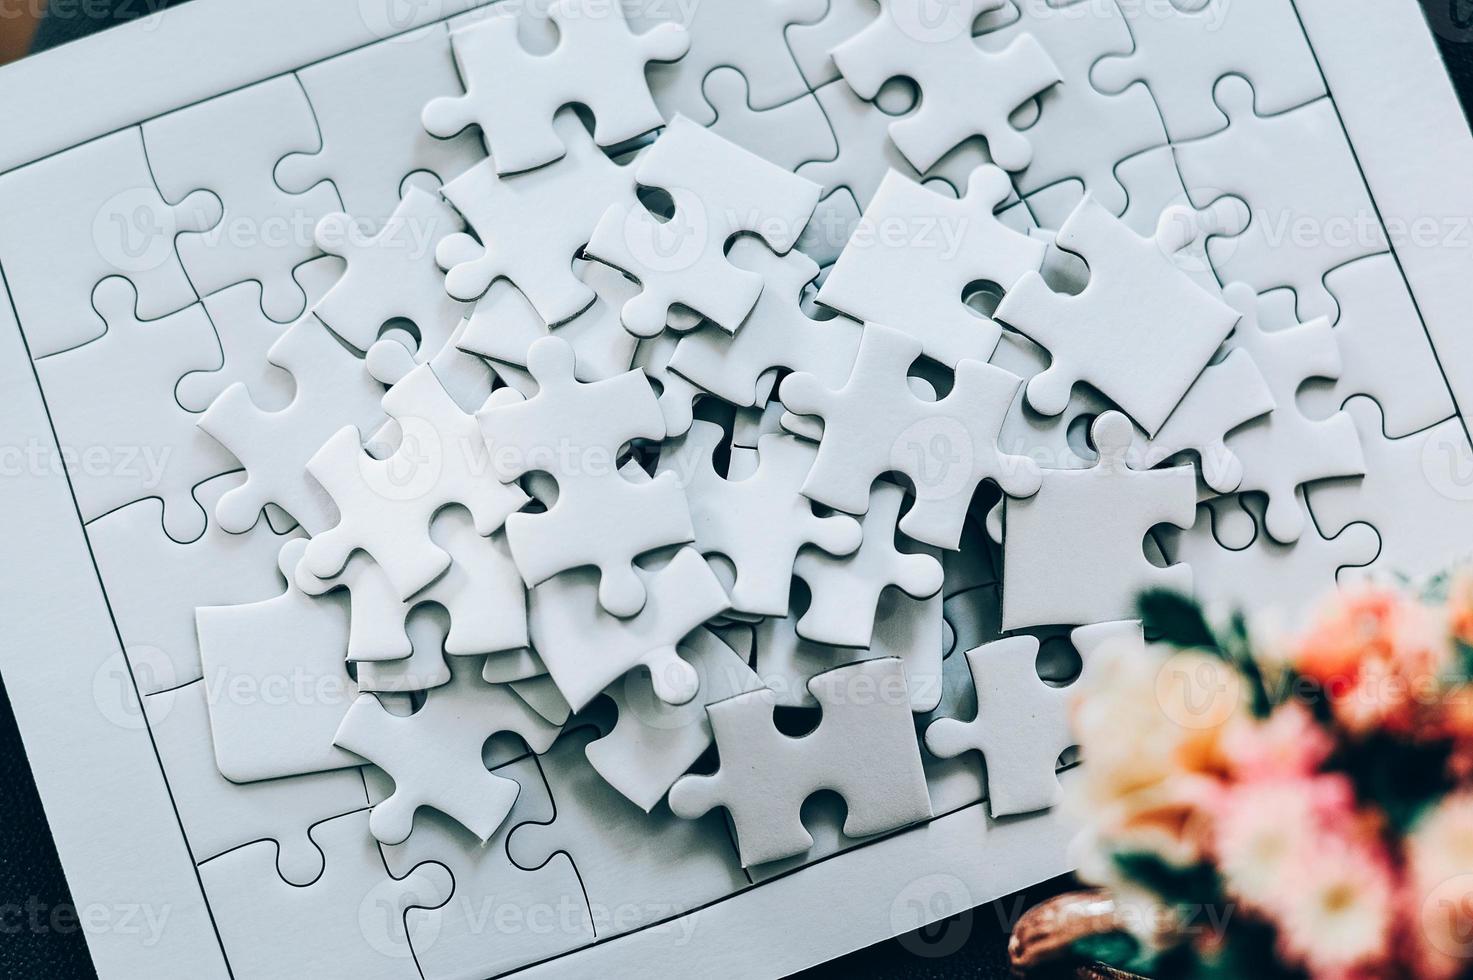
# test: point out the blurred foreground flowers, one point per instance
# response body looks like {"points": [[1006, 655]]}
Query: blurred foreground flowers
{"points": [[1273, 804]]}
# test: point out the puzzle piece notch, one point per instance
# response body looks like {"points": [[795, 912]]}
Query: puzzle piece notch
{"points": [[864, 749], [1140, 332], [965, 90], [760, 522], [386, 505], [719, 191], [434, 755], [586, 648], [512, 95], [1097, 517], [913, 255], [875, 425]]}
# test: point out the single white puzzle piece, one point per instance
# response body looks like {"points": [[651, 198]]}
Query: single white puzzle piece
{"points": [[1415, 493], [386, 506], [747, 37], [758, 522], [367, 104], [1081, 132], [846, 590], [913, 255], [221, 146], [500, 917], [512, 94], [775, 333], [1183, 48], [246, 336], [350, 920], [78, 217], [1141, 330], [113, 409], [434, 755], [719, 191], [1081, 521], [637, 867], [965, 90], [1309, 209], [1286, 449], [281, 668], [553, 210], [332, 388], [392, 273], [574, 431], [653, 743], [1021, 727], [864, 749], [155, 583], [219, 815], [874, 425], [586, 648]]}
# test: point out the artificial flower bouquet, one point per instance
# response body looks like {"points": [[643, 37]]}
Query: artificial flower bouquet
{"points": [[1271, 803]]}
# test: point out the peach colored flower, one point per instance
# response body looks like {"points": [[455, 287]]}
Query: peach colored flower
{"points": [[1379, 659], [1152, 766]]}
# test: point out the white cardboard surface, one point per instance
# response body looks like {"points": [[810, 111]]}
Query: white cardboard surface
{"points": [[63, 664]]}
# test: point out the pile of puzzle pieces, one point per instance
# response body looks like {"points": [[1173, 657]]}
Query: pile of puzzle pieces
{"points": [[768, 425]]}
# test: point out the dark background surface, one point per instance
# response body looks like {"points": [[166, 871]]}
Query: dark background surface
{"points": [[38, 932]]}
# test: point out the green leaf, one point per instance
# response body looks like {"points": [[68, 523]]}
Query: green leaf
{"points": [[1173, 618]]}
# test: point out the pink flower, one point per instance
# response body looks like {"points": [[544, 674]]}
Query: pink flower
{"points": [[1288, 745], [1337, 915]]}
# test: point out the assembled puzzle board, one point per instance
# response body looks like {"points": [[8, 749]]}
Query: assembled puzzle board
{"points": [[432, 513]]}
